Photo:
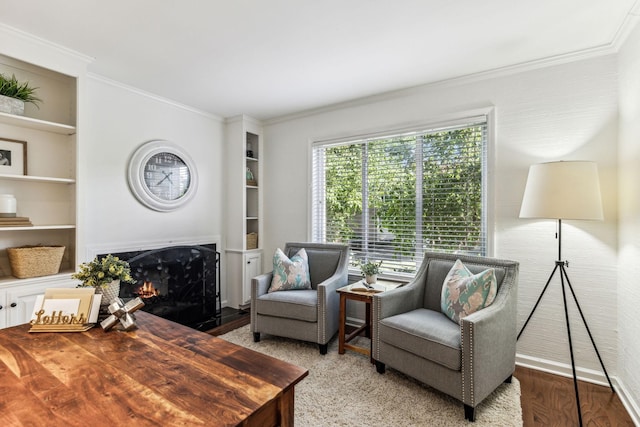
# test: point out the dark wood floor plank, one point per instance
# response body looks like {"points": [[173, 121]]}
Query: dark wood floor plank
{"points": [[549, 400]]}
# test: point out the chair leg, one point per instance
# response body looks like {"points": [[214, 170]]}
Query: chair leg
{"points": [[323, 348], [380, 367], [508, 380], [256, 337], [469, 413]]}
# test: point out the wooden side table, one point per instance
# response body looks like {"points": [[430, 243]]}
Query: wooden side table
{"points": [[356, 292]]}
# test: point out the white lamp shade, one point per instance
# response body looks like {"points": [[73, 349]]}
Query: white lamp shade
{"points": [[562, 190]]}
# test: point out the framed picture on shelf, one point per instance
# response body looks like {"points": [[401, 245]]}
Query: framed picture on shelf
{"points": [[13, 157]]}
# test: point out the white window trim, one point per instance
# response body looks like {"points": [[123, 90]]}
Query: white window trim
{"points": [[488, 113]]}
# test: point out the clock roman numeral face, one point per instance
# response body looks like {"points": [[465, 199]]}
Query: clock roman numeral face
{"points": [[162, 176], [167, 176]]}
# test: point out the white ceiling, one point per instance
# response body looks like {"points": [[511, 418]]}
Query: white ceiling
{"points": [[268, 58]]}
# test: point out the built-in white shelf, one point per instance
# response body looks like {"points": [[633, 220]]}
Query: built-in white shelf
{"points": [[11, 280], [37, 124], [40, 227], [31, 178], [48, 196]]}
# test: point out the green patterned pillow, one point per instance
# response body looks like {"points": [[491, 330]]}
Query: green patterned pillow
{"points": [[464, 293], [291, 273]]}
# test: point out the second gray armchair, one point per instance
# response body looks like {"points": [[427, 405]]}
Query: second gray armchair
{"points": [[467, 360], [307, 315]]}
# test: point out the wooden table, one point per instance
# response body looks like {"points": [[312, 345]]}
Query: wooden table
{"points": [[162, 374], [366, 296]]}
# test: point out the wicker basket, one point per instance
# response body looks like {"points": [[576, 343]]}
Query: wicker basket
{"points": [[35, 261], [252, 241], [252, 183]]}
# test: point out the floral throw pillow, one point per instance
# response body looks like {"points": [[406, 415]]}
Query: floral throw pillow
{"points": [[464, 293], [289, 274]]}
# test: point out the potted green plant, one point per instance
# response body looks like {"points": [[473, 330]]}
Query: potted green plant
{"points": [[14, 94], [370, 271], [105, 274]]}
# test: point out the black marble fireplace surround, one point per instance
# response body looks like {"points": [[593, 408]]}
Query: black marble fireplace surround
{"points": [[179, 283]]}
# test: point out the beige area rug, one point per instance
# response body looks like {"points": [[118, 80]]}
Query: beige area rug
{"points": [[346, 390]]}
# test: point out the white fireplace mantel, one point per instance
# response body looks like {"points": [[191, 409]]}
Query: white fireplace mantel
{"points": [[129, 246]]}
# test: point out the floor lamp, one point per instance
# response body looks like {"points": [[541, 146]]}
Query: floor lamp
{"points": [[564, 190]]}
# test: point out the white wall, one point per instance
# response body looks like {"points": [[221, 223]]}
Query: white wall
{"points": [[560, 112], [116, 121], [629, 228]]}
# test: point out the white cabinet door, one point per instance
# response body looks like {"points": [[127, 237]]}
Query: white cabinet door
{"points": [[20, 301], [252, 268], [3, 309]]}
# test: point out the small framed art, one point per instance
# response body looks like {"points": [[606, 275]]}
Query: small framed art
{"points": [[13, 157]]}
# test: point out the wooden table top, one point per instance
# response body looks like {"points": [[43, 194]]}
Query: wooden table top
{"points": [[162, 373], [358, 288]]}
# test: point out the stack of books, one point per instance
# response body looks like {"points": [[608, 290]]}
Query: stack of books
{"points": [[16, 221]]}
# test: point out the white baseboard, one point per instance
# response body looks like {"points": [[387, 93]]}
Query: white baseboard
{"points": [[632, 407], [583, 374], [562, 369]]}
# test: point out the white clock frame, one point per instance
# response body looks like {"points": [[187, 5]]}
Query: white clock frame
{"points": [[136, 170]]}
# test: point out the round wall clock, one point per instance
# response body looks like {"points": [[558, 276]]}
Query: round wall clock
{"points": [[162, 176]]}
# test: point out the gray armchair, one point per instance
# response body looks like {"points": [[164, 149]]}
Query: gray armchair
{"points": [[467, 361], [307, 315]]}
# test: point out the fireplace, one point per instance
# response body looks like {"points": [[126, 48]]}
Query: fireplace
{"points": [[179, 283]]}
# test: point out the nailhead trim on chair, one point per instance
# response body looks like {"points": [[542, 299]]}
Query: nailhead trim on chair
{"points": [[462, 367], [472, 397], [473, 400], [322, 333], [374, 331], [253, 312]]}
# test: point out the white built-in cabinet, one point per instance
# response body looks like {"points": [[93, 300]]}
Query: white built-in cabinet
{"points": [[244, 147], [252, 268], [46, 192], [17, 301]]}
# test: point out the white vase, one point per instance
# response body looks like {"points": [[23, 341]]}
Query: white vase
{"points": [[7, 206], [11, 105], [371, 279], [109, 292]]}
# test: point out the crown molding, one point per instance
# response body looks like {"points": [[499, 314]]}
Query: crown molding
{"points": [[628, 25], [137, 91], [598, 51], [243, 118], [20, 44]]}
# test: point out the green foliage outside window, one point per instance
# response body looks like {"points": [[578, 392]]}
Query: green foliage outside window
{"points": [[444, 213]]}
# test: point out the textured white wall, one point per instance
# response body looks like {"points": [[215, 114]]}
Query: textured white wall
{"points": [[629, 228], [117, 121], [563, 112]]}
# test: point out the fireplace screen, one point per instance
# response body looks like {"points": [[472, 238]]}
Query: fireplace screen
{"points": [[179, 283]]}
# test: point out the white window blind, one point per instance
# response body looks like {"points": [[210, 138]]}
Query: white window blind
{"points": [[393, 197]]}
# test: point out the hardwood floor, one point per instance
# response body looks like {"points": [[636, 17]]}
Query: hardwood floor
{"points": [[547, 399], [231, 319]]}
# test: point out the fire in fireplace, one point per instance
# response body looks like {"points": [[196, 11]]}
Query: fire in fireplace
{"points": [[147, 290], [179, 283]]}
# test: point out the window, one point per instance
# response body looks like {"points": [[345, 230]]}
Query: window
{"points": [[393, 197]]}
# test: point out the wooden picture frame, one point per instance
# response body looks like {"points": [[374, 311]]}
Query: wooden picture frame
{"points": [[13, 157]]}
